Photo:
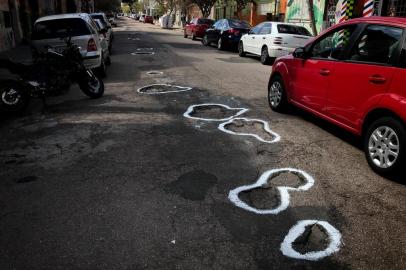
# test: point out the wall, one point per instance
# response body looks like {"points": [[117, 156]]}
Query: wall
{"points": [[6, 32]]}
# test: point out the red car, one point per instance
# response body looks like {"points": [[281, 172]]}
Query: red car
{"points": [[197, 27], [148, 19], [353, 75]]}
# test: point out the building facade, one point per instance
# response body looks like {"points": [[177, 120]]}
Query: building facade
{"points": [[17, 17]]}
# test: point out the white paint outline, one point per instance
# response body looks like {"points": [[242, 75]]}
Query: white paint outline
{"points": [[143, 53], [298, 229], [154, 72], [283, 191], [181, 89], [276, 136], [192, 107]]}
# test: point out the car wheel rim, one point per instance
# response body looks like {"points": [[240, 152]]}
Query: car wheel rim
{"points": [[264, 55], [219, 44], [94, 85], [240, 48], [205, 40], [10, 97], [275, 94], [383, 147]]}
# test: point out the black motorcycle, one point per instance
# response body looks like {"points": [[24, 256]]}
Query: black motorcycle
{"points": [[51, 74]]}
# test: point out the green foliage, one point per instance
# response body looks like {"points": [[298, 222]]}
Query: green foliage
{"points": [[126, 9], [137, 7]]}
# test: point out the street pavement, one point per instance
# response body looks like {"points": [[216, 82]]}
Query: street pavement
{"points": [[128, 182]]}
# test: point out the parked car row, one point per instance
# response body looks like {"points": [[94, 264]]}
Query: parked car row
{"points": [[142, 18], [351, 75], [92, 33]]}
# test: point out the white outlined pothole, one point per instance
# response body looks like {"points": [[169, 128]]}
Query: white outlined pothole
{"points": [[143, 53], [156, 89], [233, 195], [297, 230], [154, 73], [191, 110], [274, 136]]}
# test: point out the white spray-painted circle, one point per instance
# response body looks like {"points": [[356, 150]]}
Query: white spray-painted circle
{"points": [[297, 230], [143, 53], [179, 89], [191, 109], [267, 129], [283, 191], [153, 72]]}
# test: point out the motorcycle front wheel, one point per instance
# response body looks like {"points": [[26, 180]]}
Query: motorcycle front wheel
{"points": [[14, 97], [91, 85]]}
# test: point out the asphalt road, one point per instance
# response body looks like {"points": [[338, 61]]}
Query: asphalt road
{"points": [[128, 182]]}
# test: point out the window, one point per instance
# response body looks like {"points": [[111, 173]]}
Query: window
{"points": [[333, 44], [377, 44], [256, 29], [292, 29], [218, 24], [266, 29], [205, 21], [60, 28], [238, 24]]}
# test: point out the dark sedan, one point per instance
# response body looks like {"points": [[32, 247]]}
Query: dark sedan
{"points": [[226, 33]]}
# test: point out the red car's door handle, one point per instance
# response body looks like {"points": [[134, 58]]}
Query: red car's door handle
{"points": [[377, 79], [324, 72]]}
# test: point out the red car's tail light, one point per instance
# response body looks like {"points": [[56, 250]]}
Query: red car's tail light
{"points": [[91, 46]]}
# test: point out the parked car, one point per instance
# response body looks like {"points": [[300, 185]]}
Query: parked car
{"points": [[102, 30], [225, 33], [50, 31], [148, 19], [273, 39], [110, 35], [112, 19], [352, 75], [141, 18], [196, 28]]}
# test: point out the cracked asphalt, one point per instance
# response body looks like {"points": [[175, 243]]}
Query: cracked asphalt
{"points": [[127, 182]]}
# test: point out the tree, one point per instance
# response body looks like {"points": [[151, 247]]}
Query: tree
{"points": [[107, 5], [126, 9], [241, 4], [311, 17], [205, 6]]}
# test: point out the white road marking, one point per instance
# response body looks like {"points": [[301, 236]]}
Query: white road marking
{"points": [[153, 72], [276, 136], [297, 230], [283, 191], [191, 109], [180, 89], [143, 53]]}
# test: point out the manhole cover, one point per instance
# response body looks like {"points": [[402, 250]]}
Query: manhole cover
{"points": [[143, 53], [213, 112], [256, 128], [155, 89], [153, 72]]}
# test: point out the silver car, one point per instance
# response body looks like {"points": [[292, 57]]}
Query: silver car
{"points": [[51, 31]]}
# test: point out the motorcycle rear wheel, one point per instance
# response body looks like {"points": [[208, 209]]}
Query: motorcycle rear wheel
{"points": [[92, 85], [14, 97]]}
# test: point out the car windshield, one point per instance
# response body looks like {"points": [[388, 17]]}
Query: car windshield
{"points": [[293, 29], [60, 28], [205, 21], [238, 24]]}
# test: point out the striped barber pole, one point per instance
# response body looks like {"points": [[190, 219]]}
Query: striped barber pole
{"points": [[343, 18], [368, 8]]}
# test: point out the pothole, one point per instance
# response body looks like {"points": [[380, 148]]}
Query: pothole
{"points": [[256, 128], [213, 112], [143, 53], [311, 240], [155, 89], [266, 198], [154, 72]]}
